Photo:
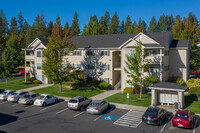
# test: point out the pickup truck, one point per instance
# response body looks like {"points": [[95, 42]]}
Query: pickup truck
{"points": [[79, 103]]}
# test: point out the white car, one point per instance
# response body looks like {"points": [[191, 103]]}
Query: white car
{"points": [[4, 95], [14, 97], [45, 99]]}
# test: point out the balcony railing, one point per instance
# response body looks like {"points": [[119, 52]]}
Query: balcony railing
{"points": [[117, 65]]}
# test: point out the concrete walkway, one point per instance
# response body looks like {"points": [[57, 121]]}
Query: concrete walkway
{"points": [[105, 94], [36, 87]]}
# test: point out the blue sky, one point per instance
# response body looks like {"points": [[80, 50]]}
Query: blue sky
{"points": [[85, 8]]}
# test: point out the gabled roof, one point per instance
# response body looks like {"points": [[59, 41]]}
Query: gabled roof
{"points": [[180, 44], [168, 86]]}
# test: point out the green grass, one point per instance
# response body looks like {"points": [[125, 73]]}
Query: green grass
{"points": [[133, 100], [67, 92], [16, 85], [192, 103]]}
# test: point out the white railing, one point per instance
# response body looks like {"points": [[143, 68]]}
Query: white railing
{"points": [[117, 65], [118, 85]]}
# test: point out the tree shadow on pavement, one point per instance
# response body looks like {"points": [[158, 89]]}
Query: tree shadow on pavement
{"points": [[6, 119]]}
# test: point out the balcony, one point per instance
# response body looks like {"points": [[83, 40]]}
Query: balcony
{"points": [[155, 59], [29, 57], [117, 66]]}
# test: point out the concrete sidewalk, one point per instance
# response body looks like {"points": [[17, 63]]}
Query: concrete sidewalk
{"points": [[36, 87], [105, 94]]}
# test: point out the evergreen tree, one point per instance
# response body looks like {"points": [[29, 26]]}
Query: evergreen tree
{"points": [[58, 23], [75, 26], [140, 27], [92, 27], [20, 21], [40, 25], [162, 23], [192, 18], [3, 24], [170, 23], [127, 24], [153, 25], [84, 30], [23, 33], [3, 40], [31, 34], [178, 17], [101, 26], [66, 28], [130, 29], [13, 26], [122, 27], [49, 29], [107, 20], [114, 24]]}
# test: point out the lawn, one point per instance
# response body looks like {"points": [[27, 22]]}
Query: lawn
{"points": [[192, 103], [133, 100], [16, 85], [67, 91]]}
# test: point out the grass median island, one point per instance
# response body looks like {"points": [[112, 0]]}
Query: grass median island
{"points": [[133, 100], [16, 85], [67, 90], [192, 103]]}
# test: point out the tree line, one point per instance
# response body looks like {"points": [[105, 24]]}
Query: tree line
{"points": [[18, 33]]}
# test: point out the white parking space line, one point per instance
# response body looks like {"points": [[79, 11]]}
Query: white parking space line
{"points": [[61, 111], [195, 126], [98, 117], [51, 106], [132, 118], [79, 114], [4, 102], [165, 124]]}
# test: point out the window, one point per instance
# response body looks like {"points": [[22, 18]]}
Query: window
{"points": [[105, 53], [166, 53], [129, 52], [77, 52], [76, 66], [105, 67], [90, 66], [154, 69], [28, 52], [166, 68], [153, 52], [28, 63], [90, 53], [105, 80], [39, 66], [39, 53]]}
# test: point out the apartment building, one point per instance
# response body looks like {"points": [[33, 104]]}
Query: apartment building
{"points": [[103, 56]]}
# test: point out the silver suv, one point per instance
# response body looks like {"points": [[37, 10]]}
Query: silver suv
{"points": [[79, 103]]}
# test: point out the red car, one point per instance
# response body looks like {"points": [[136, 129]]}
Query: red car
{"points": [[184, 119], [196, 73], [21, 71]]}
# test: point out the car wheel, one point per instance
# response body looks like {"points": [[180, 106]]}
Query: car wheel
{"points": [[81, 108], [44, 104], [160, 122], [56, 100], [31, 102], [17, 100]]}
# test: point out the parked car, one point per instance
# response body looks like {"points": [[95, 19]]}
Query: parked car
{"points": [[45, 99], [154, 116], [4, 95], [1, 90], [79, 102], [184, 119], [28, 98], [196, 73], [15, 96], [97, 107], [21, 71]]}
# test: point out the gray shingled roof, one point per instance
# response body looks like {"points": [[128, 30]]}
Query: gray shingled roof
{"points": [[180, 44], [168, 86]]}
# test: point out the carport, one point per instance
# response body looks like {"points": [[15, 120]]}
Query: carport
{"points": [[167, 93]]}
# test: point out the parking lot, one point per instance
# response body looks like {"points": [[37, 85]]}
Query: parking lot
{"points": [[57, 118]]}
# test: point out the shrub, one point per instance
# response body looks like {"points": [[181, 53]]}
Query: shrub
{"points": [[193, 83], [37, 81], [195, 91], [177, 80], [129, 90], [137, 89], [32, 79], [104, 86], [95, 82]]}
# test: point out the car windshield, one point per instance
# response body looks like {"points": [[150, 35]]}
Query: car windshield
{"points": [[41, 97], [26, 96], [73, 101], [151, 112], [14, 94], [94, 104], [4, 92], [181, 115]]}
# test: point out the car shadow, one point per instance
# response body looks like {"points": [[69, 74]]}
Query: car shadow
{"points": [[109, 109], [2, 131], [6, 119], [197, 121]]}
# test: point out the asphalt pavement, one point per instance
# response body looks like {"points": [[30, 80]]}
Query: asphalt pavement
{"points": [[57, 118]]}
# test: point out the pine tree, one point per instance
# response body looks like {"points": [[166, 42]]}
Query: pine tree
{"points": [[130, 29], [66, 29], [23, 33], [3, 40], [92, 27], [58, 23], [140, 27], [40, 25], [170, 23], [31, 34], [49, 29], [13, 26], [107, 20], [122, 27], [127, 24], [178, 17], [192, 18], [114, 24], [3, 24], [162, 23], [102, 27], [20, 21], [153, 25], [75, 26]]}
